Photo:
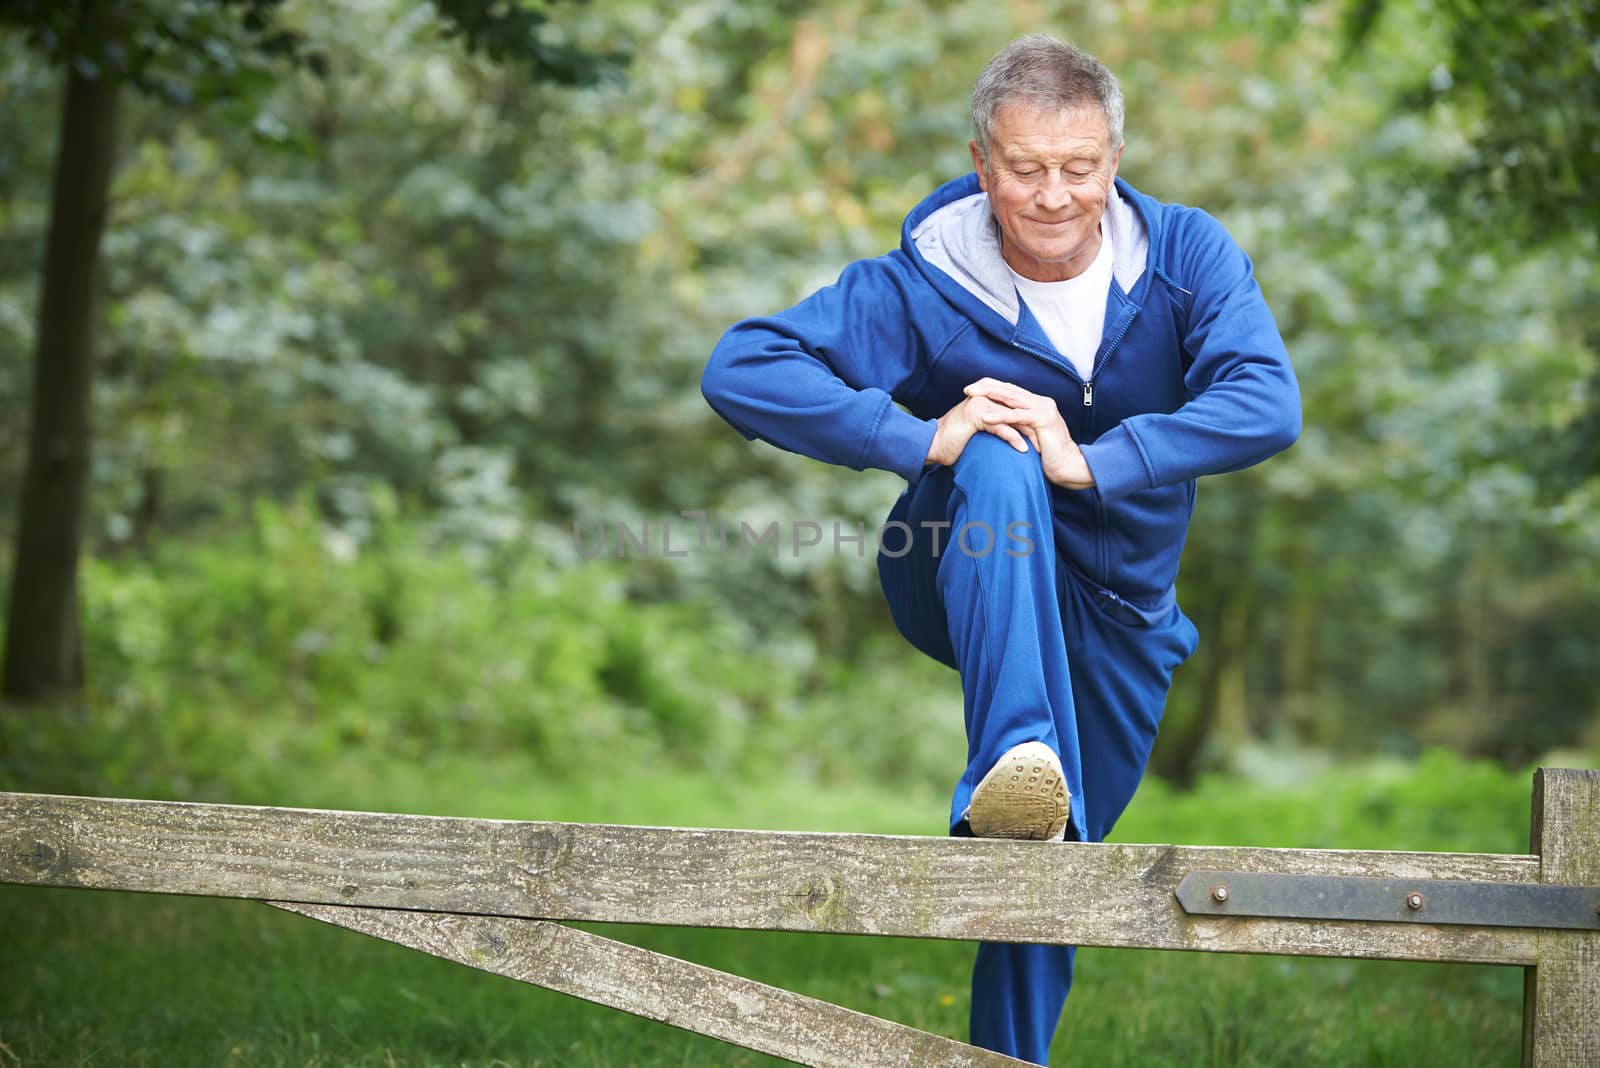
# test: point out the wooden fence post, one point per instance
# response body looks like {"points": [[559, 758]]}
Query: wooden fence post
{"points": [[1561, 993]]}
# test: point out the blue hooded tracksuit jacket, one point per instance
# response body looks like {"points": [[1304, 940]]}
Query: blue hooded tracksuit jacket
{"points": [[1057, 606]]}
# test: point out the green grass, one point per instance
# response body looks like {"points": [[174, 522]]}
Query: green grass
{"points": [[120, 979]]}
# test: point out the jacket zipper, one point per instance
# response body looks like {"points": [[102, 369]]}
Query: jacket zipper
{"points": [[1055, 359], [1101, 567], [1088, 383]]}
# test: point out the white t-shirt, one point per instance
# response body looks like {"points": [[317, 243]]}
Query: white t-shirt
{"points": [[1073, 313]]}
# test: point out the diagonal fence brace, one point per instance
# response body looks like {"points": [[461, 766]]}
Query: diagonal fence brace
{"points": [[692, 997], [1429, 901]]}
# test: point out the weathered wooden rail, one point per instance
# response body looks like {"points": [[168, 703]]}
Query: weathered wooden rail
{"points": [[486, 893]]}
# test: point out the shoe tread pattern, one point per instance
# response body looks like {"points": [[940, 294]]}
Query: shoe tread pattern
{"points": [[1022, 797]]}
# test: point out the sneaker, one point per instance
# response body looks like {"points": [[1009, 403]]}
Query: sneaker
{"points": [[1023, 796]]}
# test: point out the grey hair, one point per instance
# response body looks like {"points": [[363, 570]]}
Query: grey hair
{"points": [[1040, 70]]}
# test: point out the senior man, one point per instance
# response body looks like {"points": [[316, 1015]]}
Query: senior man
{"points": [[1050, 360]]}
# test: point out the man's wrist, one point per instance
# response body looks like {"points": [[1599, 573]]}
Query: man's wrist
{"points": [[1075, 481], [1074, 474]]}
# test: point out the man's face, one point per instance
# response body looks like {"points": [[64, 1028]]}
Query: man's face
{"points": [[1047, 176]]}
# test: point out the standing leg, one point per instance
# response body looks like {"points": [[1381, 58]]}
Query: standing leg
{"points": [[1017, 995]]}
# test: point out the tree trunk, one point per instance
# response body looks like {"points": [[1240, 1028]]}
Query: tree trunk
{"points": [[1219, 724], [1228, 691], [43, 653]]}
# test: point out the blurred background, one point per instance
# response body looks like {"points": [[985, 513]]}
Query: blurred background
{"points": [[396, 304]]}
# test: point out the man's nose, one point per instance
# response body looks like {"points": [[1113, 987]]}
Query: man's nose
{"points": [[1054, 192]]}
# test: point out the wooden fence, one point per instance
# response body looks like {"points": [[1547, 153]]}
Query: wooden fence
{"points": [[487, 893]]}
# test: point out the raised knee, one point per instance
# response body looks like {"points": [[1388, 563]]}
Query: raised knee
{"points": [[990, 465]]}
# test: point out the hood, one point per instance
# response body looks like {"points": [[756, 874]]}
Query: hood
{"points": [[953, 237]]}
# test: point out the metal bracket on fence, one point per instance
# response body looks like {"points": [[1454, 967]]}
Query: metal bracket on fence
{"points": [[1330, 897]]}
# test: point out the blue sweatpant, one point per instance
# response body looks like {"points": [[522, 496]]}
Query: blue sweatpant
{"points": [[1044, 655]]}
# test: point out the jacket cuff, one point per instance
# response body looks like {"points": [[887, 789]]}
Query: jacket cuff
{"points": [[901, 444], [1118, 464]]}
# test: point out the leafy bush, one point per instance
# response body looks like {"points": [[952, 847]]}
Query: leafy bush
{"points": [[214, 662]]}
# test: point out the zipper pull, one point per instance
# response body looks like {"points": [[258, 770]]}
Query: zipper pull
{"points": [[1088, 394]]}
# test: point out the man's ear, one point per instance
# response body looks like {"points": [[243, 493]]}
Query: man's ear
{"points": [[1116, 158], [977, 165]]}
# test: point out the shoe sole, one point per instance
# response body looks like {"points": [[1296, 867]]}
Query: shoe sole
{"points": [[1024, 796]]}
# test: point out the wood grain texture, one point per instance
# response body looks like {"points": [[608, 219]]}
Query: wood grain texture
{"points": [[658, 987], [1561, 1002], [1063, 893]]}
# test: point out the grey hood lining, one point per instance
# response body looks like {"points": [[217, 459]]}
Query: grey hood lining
{"points": [[962, 239]]}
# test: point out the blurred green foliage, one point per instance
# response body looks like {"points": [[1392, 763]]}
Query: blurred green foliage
{"points": [[283, 644], [227, 52], [427, 313], [1520, 81]]}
